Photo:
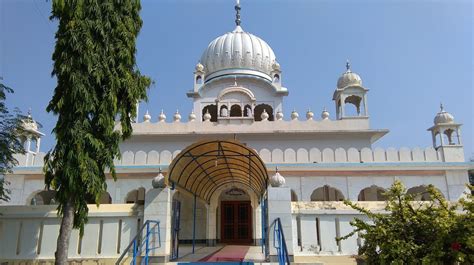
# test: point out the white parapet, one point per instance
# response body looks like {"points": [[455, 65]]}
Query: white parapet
{"points": [[32, 231]]}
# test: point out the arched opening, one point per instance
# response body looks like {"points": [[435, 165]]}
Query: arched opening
{"points": [[276, 78], [294, 196], [45, 197], [354, 101], [104, 198], [259, 110], [212, 109], [228, 178], [247, 111], [33, 143], [420, 193], [235, 216], [198, 80], [224, 111], [449, 136], [327, 193], [136, 196], [236, 111], [372, 193]]}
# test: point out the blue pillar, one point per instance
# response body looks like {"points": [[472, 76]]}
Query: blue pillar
{"points": [[194, 223]]}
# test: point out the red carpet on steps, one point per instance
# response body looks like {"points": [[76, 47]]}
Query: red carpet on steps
{"points": [[228, 253]]}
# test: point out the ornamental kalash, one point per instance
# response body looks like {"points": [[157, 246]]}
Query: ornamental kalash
{"points": [[239, 180]]}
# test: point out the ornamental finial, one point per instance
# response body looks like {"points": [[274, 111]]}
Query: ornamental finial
{"points": [[237, 15], [348, 65], [441, 107]]}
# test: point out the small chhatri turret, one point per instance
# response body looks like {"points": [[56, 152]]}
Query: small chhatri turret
{"points": [[349, 90], [446, 136]]}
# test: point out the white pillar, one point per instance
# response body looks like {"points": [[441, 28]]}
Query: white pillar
{"points": [[279, 206], [366, 105], [158, 205], [458, 134], [343, 107], [38, 142], [29, 158], [211, 226]]}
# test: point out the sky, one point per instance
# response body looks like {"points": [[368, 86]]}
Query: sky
{"points": [[411, 54]]}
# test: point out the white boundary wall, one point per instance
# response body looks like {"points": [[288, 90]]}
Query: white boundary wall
{"points": [[317, 224], [30, 232]]}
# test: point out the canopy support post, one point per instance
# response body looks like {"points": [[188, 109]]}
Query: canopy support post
{"points": [[194, 223]]}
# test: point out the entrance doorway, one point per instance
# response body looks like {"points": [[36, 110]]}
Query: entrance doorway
{"points": [[236, 222]]}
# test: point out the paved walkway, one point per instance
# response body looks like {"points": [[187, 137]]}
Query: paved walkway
{"points": [[220, 253]]}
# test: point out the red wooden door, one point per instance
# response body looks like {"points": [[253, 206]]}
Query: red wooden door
{"points": [[236, 222]]}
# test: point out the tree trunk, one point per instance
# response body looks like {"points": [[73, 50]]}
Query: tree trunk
{"points": [[64, 233]]}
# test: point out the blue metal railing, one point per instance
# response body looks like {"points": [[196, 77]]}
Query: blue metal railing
{"points": [[263, 204], [280, 244], [139, 242]]}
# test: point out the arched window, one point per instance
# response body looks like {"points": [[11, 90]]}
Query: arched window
{"points": [[420, 193], [276, 78], [45, 197], [449, 136], [136, 196], [236, 111], [355, 101], [327, 193], [224, 111], [247, 111], [294, 197], [372, 193], [212, 110], [198, 80], [259, 109]]}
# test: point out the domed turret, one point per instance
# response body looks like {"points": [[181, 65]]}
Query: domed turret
{"points": [[350, 91]]}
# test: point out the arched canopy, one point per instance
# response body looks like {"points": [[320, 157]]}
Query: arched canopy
{"points": [[204, 166]]}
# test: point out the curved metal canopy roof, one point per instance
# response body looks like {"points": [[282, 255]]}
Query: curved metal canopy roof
{"points": [[203, 167]]}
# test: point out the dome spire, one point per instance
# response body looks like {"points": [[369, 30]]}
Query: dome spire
{"points": [[348, 66], [237, 15], [441, 107]]}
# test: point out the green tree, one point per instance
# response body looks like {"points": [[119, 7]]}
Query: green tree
{"points": [[97, 83], [10, 144], [413, 232]]}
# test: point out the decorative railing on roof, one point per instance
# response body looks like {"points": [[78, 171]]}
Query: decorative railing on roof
{"points": [[277, 156]]}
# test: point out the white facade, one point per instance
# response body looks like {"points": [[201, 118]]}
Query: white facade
{"points": [[238, 94]]}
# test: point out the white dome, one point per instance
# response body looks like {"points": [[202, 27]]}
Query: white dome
{"points": [[29, 124], [349, 78], [443, 117], [238, 52]]}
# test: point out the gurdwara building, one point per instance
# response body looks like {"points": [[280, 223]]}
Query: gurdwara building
{"points": [[236, 170]]}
